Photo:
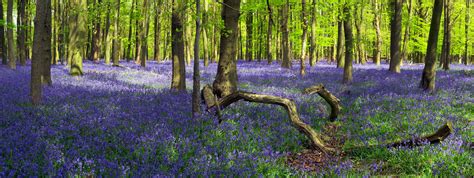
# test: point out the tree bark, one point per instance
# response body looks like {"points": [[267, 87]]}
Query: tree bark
{"points": [[143, 36], [3, 46], [332, 100], [340, 44], [446, 47], [204, 28], [95, 49], [407, 32], [285, 42], [21, 26], [442, 133], [347, 78], [128, 54], [196, 100], [11, 47], [115, 41], [225, 82], [77, 34], [395, 36], [269, 34], [106, 37], [178, 79], [41, 48], [304, 26], [157, 30], [312, 49], [429, 71], [466, 33], [378, 42], [249, 39]]}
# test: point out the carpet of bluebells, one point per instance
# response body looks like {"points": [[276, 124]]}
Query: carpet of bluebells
{"points": [[124, 121]]}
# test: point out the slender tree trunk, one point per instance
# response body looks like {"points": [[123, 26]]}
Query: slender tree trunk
{"points": [[446, 48], [204, 29], [259, 38], [77, 34], [157, 30], [178, 79], [41, 49], [225, 82], [249, 39], [407, 32], [107, 39], [269, 34], [196, 74], [312, 49], [395, 36], [429, 72], [285, 42], [466, 33], [21, 38], [359, 11], [143, 36], [304, 38], [3, 46], [95, 46], [128, 54], [115, 41], [11, 47], [378, 42], [340, 44], [347, 78]]}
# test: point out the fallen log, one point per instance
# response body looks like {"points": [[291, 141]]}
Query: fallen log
{"points": [[443, 132], [332, 100]]}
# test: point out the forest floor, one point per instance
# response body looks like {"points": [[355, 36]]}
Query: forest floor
{"points": [[125, 121]]}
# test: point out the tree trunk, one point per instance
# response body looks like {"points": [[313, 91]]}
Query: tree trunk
{"points": [[128, 54], [178, 79], [41, 49], [429, 71], [340, 44], [395, 36], [106, 39], [446, 47], [249, 39], [115, 41], [359, 12], [407, 32], [157, 30], [95, 46], [304, 38], [3, 46], [378, 43], [269, 34], [225, 82], [204, 29], [312, 49], [466, 34], [77, 34], [143, 36], [196, 73], [285, 42], [21, 38], [347, 78], [11, 47]]}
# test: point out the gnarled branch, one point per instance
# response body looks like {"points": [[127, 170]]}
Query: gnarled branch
{"points": [[443, 132], [333, 101], [288, 104]]}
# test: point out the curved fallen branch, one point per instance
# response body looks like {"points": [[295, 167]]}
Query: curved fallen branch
{"points": [[333, 101], [443, 132], [288, 104]]}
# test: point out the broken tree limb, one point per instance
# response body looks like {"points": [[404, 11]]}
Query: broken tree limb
{"points": [[443, 132], [290, 107], [333, 101]]}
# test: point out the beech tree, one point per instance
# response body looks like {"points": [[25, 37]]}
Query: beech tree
{"points": [[77, 34], [41, 48], [429, 71], [225, 82], [395, 36]]}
